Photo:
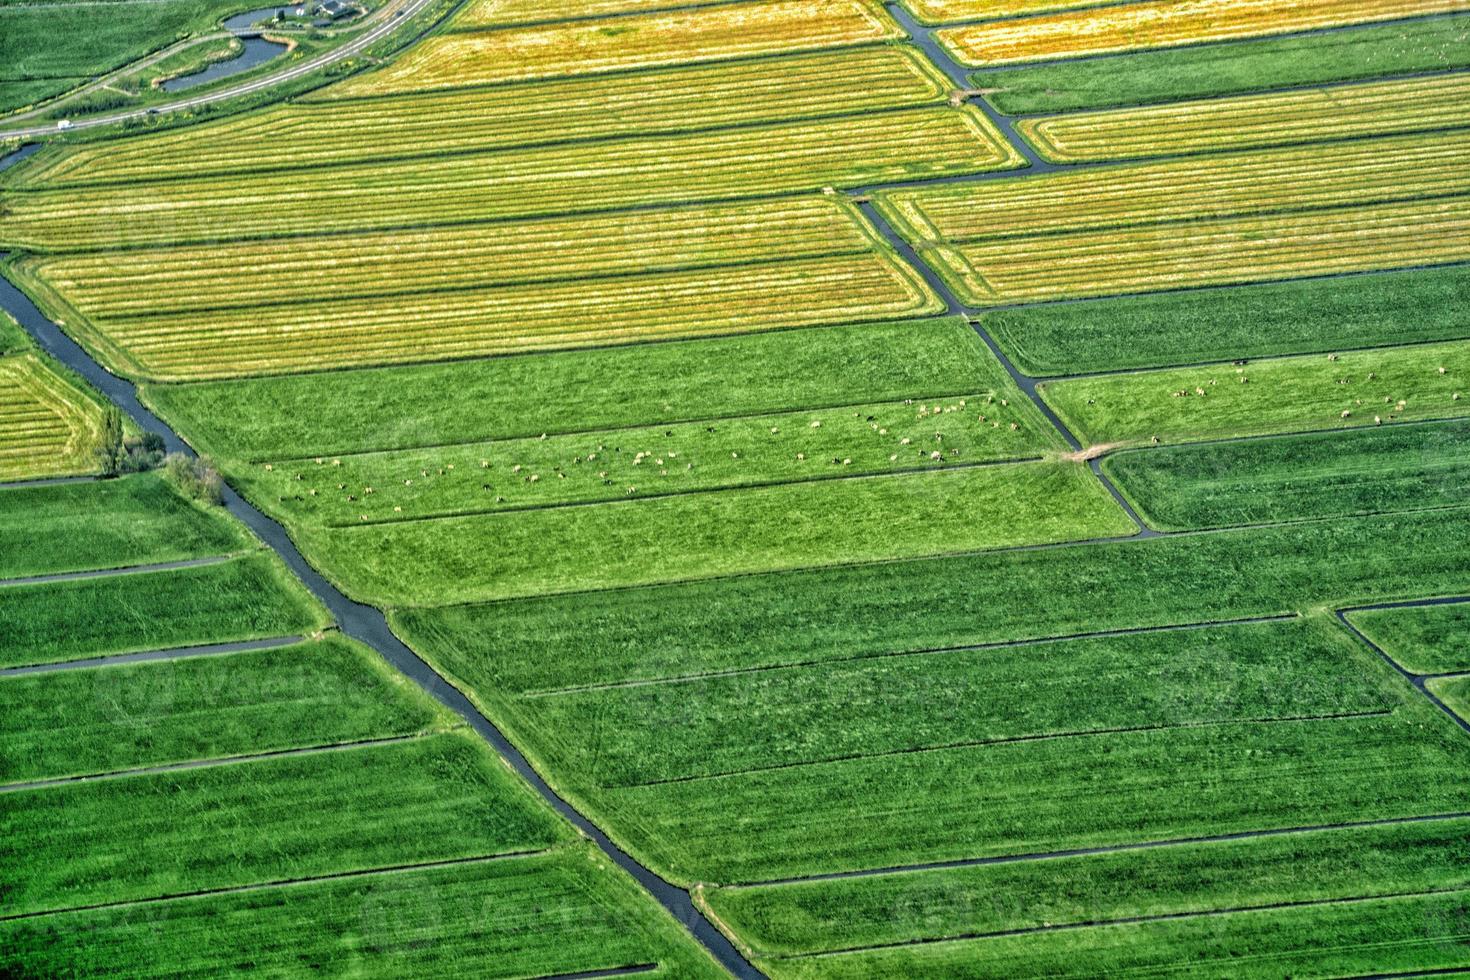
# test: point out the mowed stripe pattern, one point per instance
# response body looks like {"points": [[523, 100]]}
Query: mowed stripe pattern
{"points": [[1247, 217], [1335, 112], [766, 160], [428, 326], [307, 270], [316, 131], [46, 427], [584, 47], [1165, 23]]}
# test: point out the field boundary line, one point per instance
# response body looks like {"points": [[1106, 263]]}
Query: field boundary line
{"points": [[927, 652], [1009, 740], [1134, 920], [211, 763], [282, 883], [615, 971], [148, 656], [121, 570], [695, 492], [1103, 849]]}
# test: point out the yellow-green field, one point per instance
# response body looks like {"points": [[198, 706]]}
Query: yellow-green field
{"points": [[48, 426], [1340, 112]]}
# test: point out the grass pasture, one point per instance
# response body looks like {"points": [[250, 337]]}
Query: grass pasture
{"points": [[1279, 395], [104, 719], [1183, 880], [1221, 324], [136, 520], [1410, 933], [320, 130], [1415, 105], [638, 542], [671, 458], [1232, 68], [436, 798], [1453, 691], [554, 913], [244, 598], [1301, 477], [1147, 24], [374, 410], [1422, 640], [584, 47]]}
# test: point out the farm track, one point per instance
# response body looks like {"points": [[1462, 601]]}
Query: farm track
{"points": [[175, 653], [162, 566], [227, 760], [368, 625]]}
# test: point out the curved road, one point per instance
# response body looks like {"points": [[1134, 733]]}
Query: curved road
{"points": [[395, 15]]}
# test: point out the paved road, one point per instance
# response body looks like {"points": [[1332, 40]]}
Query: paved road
{"points": [[394, 16]]}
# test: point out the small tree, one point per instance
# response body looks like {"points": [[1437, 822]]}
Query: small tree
{"points": [[195, 476], [111, 453]]}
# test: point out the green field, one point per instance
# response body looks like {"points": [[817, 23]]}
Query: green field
{"points": [[639, 542], [245, 598], [109, 718], [1455, 692], [138, 520], [551, 913], [45, 50], [1288, 394], [1411, 306], [813, 916], [437, 798], [382, 409], [1303, 477], [1229, 69], [1423, 640]]}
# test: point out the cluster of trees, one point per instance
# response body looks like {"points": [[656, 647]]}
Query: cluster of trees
{"points": [[120, 453]]}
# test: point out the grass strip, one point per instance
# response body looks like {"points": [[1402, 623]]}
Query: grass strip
{"points": [[245, 598], [1223, 323], [639, 542], [1279, 395], [1392, 935], [1259, 481], [547, 914], [136, 520], [378, 409], [432, 799], [1423, 639], [1412, 105], [1195, 72], [805, 917], [106, 719]]}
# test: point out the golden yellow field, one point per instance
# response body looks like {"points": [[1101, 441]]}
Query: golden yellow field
{"points": [[245, 274], [764, 160], [47, 427], [585, 47], [513, 319], [1235, 184], [490, 13], [1164, 23], [948, 11], [1213, 252], [1336, 112], [320, 131]]}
